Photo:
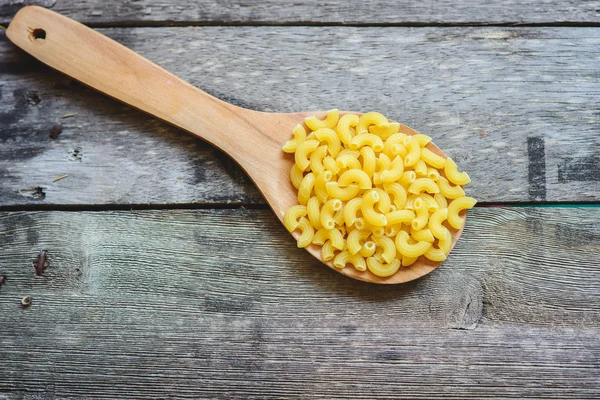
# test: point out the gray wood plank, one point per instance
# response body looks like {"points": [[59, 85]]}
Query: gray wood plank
{"points": [[221, 304], [138, 12], [517, 107]]}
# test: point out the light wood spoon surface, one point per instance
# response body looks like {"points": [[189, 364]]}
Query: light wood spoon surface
{"points": [[252, 138]]}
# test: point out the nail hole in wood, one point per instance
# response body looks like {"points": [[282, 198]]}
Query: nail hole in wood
{"points": [[38, 34]]}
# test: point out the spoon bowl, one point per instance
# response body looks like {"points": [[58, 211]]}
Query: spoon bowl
{"points": [[254, 139]]}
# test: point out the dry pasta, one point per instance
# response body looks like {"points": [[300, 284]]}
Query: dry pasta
{"points": [[373, 196]]}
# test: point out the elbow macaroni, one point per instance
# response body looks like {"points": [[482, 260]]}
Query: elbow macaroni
{"points": [[372, 194]]}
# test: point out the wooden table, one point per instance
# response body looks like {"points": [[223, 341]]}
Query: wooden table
{"points": [[169, 277]]}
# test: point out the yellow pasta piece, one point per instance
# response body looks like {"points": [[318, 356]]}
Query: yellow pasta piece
{"points": [[338, 217], [398, 193], [432, 205], [383, 270], [369, 161], [327, 211], [388, 248], [292, 216], [362, 225], [440, 200], [408, 261], [390, 148], [357, 176], [423, 185], [367, 249], [385, 132], [385, 202], [350, 210], [414, 151], [327, 251], [366, 139], [432, 159], [307, 233], [383, 162], [341, 260], [344, 194], [432, 173], [303, 151], [368, 119], [367, 207], [423, 140], [407, 178], [392, 230], [455, 207], [355, 239], [348, 160], [329, 122], [333, 235], [445, 242], [423, 235], [394, 172], [299, 137], [452, 174], [328, 136], [343, 128], [422, 213], [314, 212], [316, 159], [449, 191], [435, 223], [420, 168], [409, 249], [330, 164], [400, 217], [296, 176], [306, 188], [319, 187], [434, 254]]}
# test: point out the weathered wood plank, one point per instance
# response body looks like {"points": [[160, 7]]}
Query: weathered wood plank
{"points": [[220, 304], [114, 12], [518, 109]]}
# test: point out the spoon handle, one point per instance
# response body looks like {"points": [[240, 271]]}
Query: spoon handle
{"points": [[111, 68]]}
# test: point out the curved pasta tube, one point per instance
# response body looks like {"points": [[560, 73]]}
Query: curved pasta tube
{"points": [[423, 140], [357, 176], [314, 212], [327, 211], [408, 261], [369, 160], [449, 191], [333, 235], [319, 187], [414, 151], [440, 200], [385, 202], [432, 205], [435, 223], [388, 248], [345, 257], [302, 152], [455, 207], [296, 176], [420, 168], [344, 194], [327, 251], [434, 254], [350, 210], [383, 270], [329, 122], [371, 118], [423, 235], [400, 217], [452, 174], [366, 139], [306, 188], [328, 136], [407, 178], [398, 192], [445, 242], [363, 225], [383, 162], [385, 132], [367, 249], [367, 207], [423, 185], [338, 217], [422, 213], [394, 172], [410, 249], [330, 164], [299, 137], [306, 233], [343, 127], [392, 230], [316, 159], [348, 161], [432, 159], [391, 143], [355, 239], [292, 216], [433, 173]]}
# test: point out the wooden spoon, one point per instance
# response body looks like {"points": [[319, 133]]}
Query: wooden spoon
{"points": [[254, 139]]}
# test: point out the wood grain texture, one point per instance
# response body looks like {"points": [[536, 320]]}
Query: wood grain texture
{"points": [[220, 304], [483, 94], [146, 12]]}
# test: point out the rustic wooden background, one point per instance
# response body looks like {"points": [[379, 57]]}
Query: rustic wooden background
{"points": [[169, 277]]}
